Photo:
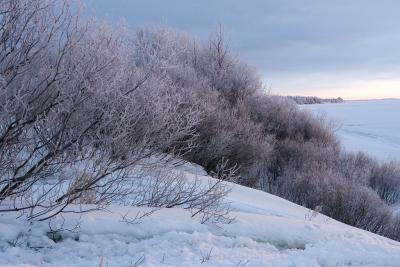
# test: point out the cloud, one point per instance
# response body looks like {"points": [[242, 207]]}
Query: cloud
{"points": [[284, 39]]}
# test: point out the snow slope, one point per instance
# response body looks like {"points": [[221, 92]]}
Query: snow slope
{"points": [[267, 231], [371, 126]]}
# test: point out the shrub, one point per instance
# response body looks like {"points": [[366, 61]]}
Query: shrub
{"points": [[385, 180], [78, 108], [356, 167], [226, 135]]}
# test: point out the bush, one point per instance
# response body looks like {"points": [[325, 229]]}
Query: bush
{"points": [[78, 108], [226, 135], [341, 199], [282, 118], [356, 167], [385, 180]]}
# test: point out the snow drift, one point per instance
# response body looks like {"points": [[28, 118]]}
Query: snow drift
{"points": [[267, 231]]}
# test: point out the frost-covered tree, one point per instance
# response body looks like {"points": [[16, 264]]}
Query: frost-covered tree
{"points": [[77, 109]]}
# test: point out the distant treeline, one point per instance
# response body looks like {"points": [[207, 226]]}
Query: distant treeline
{"points": [[307, 100]]}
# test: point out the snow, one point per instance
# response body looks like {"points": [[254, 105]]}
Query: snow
{"points": [[371, 126], [267, 231]]}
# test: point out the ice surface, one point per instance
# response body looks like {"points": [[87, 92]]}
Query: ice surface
{"points": [[371, 126]]}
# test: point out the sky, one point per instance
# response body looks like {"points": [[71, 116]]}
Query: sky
{"points": [[326, 48]]}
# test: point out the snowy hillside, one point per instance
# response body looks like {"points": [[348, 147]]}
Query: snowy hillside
{"points": [[267, 231], [370, 126]]}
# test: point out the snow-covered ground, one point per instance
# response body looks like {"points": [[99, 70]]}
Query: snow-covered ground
{"points": [[371, 126], [267, 231]]}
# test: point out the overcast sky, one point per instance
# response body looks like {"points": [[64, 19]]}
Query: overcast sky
{"points": [[329, 48]]}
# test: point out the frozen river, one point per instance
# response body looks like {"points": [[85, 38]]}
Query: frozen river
{"points": [[371, 126]]}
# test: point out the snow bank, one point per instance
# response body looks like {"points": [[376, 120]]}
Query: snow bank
{"points": [[267, 231]]}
